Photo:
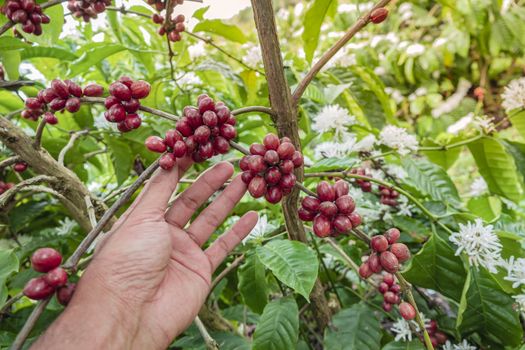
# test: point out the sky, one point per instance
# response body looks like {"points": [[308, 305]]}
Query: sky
{"points": [[218, 8]]}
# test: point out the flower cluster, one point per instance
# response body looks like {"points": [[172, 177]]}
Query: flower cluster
{"points": [[332, 211], [398, 139], [47, 261], [513, 95], [334, 118], [26, 12], [268, 170], [123, 104]]}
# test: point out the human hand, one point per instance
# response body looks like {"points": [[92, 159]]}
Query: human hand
{"points": [[150, 277]]}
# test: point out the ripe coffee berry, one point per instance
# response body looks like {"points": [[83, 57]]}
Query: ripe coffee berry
{"points": [[407, 311], [38, 289], [400, 251], [388, 196], [65, 293], [379, 243], [26, 12], [5, 186], [87, 9], [173, 28], [366, 186], [123, 102], [390, 291], [56, 277], [20, 167], [378, 15], [93, 90], [45, 259], [332, 211], [268, 170], [392, 235]]}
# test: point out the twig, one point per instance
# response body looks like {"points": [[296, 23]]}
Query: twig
{"points": [[9, 161], [73, 260], [209, 41], [70, 144], [251, 109], [10, 115], [226, 271], [211, 344], [39, 132], [95, 153], [10, 193], [28, 326], [91, 211], [358, 25], [15, 84], [100, 100], [10, 302]]}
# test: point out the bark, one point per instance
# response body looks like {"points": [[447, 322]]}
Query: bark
{"points": [[285, 119]]}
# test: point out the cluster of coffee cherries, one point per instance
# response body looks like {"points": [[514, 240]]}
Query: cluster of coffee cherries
{"points": [[378, 15], [173, 28], [268, 169], [388, 196], [123, 103], [390, 291], [47, 261], [60, 96], [87, 9], [20, 167], [386, 254], [437, 337], [26, 12], [4, 186], [332, 211], [366, 186], [202, 132]]}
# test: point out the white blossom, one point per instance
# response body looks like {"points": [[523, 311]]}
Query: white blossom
{"points": [[261, 228], [478, 187], [404, 207], [398, 139], [461, 124], [464, 345], [515, 271], [480, 243], [253, 56], [333, 117], [197, 50], [402, 329], [190, 78], [440, 42], [485, 124], [395, 94], [415, 49], [505, 5], [520, 300], [65, 227], [366, 144], [396, 171], [298, 9], [380, 70], [405, 9], [454, 100], [513, 95], [331, 149]]}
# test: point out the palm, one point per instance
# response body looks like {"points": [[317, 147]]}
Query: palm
{"points": [[169, 274]]}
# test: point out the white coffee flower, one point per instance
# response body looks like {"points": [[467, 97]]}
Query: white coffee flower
{"points": [[414, 50], [484, 124], [189, 78], [520, 300], [349, 144], [461, 124], [65, 227], [513, 95], [464, 345], [398, 139], [253, 55], [515, 271], [261, 228], [454, 100], [440, 42], [366, 144], [480, 243], [478, 187], [197, 50], [333, 117]]}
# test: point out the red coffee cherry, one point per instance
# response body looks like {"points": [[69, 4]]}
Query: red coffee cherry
{"points": [[374, 263], [389, 262], [341, 188], [167, 161], [306, 215], [311, 203], [378, 15], [20, 167], [33, 103], [395, 289], [93, 90], [64, 294], [355, 218], [156, 144], [73, 88], [400, 251], [45, 259], [60, 88], [345, 204], [38, 289], [407, 311], [286, 150], [392, 235], [390, 297], [274, 195], [50, 118], [387, 307], [57, 104], [271, 142], [440, 337], [120, 91], [383, 288], [328, 209], [388, 278], [72, 104], [365, 271], [257, 187], [56, 277], [325, 192], [379, 243], [140, 89], [322, 226], [342, 223]]}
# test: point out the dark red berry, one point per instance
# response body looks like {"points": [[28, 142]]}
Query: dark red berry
{"points": [[379, 243], [228, 131], [373, 262], [167, 161], [297, 159], [184, 127], [131, 106], [274, 195], [210, 119], [116, 114], [49, 95], [328, 209], [133, 121], [273, 176], [206, 104], [244, 163], [378, 15], [45, 259], [355, 218], [345, 204], [286, 167], [388, 278], [72, 104], [306, 215], [365, 271], [120, 91], [395, 288], [221, 145], [256, 164], [180, 149], [400, 251], [172, 136], [322, 226], [392, 235], [271, 157], [60, 88], [202, 134], [50, 118], [325, 192], [73, 89], [271, 142], [311, 203], [257, 187], [94, 90], [38, 289], [389, 262], [33, 103], [56, 277], [64, 294], [383, 288], [140, 89], [20, 167], [156, 144], [57, 104], [407, 311], [342, 223], [247, 176], [110, 101], [387, 306], [286, 150], [287, 181], [341, 188], [390, 297]]}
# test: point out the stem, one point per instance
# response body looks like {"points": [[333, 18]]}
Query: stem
{"points": [[358, 25], [100, 100], [39, 132], [452, 145], [10, 302], [70, 144], [251, 109], [73, 260], [226, 271], [91, 211], [9, 161], [211, 344], [30, 323]]}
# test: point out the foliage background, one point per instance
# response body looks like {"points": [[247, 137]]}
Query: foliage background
{"points": [[381, 78]]}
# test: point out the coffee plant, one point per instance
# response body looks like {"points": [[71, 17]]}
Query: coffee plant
{"points": [[382, 145]]}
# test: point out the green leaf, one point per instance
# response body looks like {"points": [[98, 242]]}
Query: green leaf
{"points": [[199, 14], [293, 263], [436, 267], [92, 57], [121, 156], [52, 52], [517, 150], [252, 284], [278, 328], [327, 164], [486, 207], [10, 43], [8, 263], [432, 180], [412, 345], [355, 328], [518, 120], [444, 158], [497, 168], [11, 61], [312, 22], [486, 310], [217, 27]]}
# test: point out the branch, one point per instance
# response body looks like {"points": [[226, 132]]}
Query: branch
{"points": [[8, 195], [211, 344], [15, 84], [358, 25], [9, 161], [70, 144], [251, 109], [39, 132], [100, 100], [28, 326], [10, 302], [226, 271], [73, 260], [91, 211]]}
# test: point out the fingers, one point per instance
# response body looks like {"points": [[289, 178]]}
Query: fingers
{"points": [[208, 221], [190, 200], [219, 249]]}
